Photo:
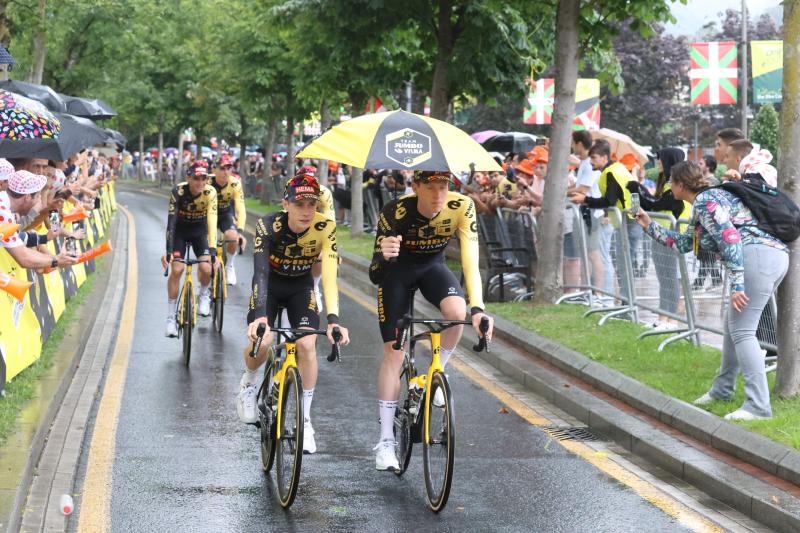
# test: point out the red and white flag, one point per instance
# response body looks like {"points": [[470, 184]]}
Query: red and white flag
{"points": [[374, 105], [714, 72]]}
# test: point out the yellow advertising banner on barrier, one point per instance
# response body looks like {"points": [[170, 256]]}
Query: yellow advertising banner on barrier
{"points": [[26, 324]]}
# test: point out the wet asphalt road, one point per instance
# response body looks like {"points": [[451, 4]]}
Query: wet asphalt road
{"points": [[185, 463]]}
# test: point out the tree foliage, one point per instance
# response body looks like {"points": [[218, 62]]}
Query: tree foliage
{"points": [[765, 129]]}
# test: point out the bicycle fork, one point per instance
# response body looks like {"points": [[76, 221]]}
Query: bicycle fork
{"points": [[436, 366], [290, 361]]}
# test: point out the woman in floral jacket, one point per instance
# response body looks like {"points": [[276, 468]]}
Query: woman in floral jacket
{"points": [[756, 263]]}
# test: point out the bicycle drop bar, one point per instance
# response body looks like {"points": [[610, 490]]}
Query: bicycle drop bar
{"points": [[299, 333], [404, 323]]}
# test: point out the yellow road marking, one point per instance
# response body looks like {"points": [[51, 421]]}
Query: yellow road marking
{"points": [[96, 498], [677, 510]]}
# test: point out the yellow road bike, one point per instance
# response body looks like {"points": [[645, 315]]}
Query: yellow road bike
{"points": [[219, 284], [419, 417], [280, 407]]}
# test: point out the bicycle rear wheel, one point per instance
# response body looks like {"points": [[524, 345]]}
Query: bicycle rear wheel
{"points": [[290, 441], [266, 418], [187, 325], [219, 299], [438, 451]]}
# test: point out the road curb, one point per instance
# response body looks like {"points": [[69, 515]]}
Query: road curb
{"points": [[765, 502], [43, 429]]}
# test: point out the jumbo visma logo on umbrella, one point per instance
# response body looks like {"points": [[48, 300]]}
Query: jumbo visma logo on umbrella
{"points": [[408, 147], [399, 140]]}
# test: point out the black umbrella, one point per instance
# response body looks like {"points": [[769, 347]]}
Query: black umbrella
{"points": [[116, 137], [76, 134], [513, 141], [40, 93], [88, 107]]}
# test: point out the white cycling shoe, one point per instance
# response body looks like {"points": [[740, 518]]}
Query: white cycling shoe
{"points": [[438, 398], [309, 443], [246, 404], [386, 459], [204, 304], [172, 327], [230, 274]]}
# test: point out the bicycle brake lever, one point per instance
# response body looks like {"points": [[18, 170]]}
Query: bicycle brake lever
{"points": [[401, 330], [335, 352], [257, 345], [483, 343]]}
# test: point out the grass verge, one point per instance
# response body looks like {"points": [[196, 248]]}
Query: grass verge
{"points": [[254, 205], [681, 370], [23, 386]]}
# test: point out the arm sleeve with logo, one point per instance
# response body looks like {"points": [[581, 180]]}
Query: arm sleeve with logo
{"points": [[330, 266], [468, 239], [172, 219], [261, 247], [386, 228], [238, 203], [211, 219]]}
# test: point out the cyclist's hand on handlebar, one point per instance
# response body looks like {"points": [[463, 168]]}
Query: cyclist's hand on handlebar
{"points": [[253, 326], [242, 242], [165, 260], [476, 324], [345, 340], [390, 246]]}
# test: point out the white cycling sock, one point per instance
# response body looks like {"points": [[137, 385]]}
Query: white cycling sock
{"points": [[444, 355], [308, 395], [232, 258], [251, 377], [205, 289], [387, 409], [172, 306]]}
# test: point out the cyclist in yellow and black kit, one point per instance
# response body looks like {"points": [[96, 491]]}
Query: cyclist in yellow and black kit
{"points": [[232, 215], [285, 247], [192, 221], [326, 208], [416, 229]]}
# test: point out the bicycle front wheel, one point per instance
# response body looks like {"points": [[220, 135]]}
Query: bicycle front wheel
{"points": [[266, 418], [187, 325], [404, 419], [219, 299], [438, 449], [290, 441]]}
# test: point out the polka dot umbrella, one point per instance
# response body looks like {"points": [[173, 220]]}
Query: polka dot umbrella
{"points": [[23, 118]]}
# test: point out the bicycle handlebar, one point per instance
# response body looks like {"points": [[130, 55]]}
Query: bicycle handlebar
{"points": [[404, 323], [483, 342], [300, 333]]}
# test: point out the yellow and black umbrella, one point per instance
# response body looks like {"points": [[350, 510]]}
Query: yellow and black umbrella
{"points": [[399, 140]]}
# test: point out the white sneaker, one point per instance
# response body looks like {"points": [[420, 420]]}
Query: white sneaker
{"points": [[230, 274], [744, 416], [309, 444], [204, 304], [705, 399], [246, 404], [385, 459], [172, 327], [438, 398]]}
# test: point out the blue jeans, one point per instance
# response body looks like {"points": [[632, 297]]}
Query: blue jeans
{"points": [[764, 269]]}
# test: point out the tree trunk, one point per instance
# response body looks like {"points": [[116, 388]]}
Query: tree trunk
{"points": [[356, 202], [440, 91], [325, 123], [141, 156], [787, 380], [290, 166], [160, 163], [242, 151], [266, 178], [549, 267], [179, 165], [39, 48]]}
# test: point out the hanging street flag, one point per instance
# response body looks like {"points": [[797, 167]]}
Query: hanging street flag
{"points": [[541, 100], [427, 109], [714, 73], [587, 105], [539, 104], [767, 58], [374, 105]]}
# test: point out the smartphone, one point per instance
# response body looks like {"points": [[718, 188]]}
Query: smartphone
{"points": [[635, 205]]}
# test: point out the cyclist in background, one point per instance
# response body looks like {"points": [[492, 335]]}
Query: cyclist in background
{"points": [[231, 212]]}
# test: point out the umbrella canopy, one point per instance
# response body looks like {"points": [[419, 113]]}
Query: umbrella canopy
{"points": [[40, 93], [482, 136], [76, 134], [117, 137], [22, 118], [513, 141], [88, 108], [621, 144], [399, 140]]}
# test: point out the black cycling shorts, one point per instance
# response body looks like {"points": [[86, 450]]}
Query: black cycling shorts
{"points": [[226, 220], [296, 295], [435, 281], [195, 235]]}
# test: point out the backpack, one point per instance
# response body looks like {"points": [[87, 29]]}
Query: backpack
{"points": [[776, 213]]}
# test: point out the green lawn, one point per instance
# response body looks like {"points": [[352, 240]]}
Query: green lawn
{"points": [[22, 387], [681, 370], [361, 246], [254, 205]]}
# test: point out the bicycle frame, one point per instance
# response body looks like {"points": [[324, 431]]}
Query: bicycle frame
{"points": [[188, 284], [289, 361]]}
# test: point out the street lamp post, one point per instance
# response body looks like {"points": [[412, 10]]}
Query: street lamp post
{"points": [[743, 89]]}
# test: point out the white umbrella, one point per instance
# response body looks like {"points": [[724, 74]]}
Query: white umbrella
{"points": [[621, 144]]}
